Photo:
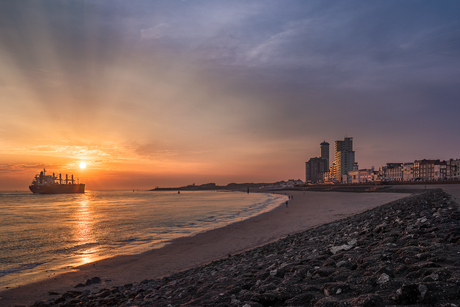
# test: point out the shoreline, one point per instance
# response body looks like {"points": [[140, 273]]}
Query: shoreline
{"points": [[404, 252], [42, 270], [302, 213]]}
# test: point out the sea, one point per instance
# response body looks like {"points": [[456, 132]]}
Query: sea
{"points": [[44, 235]]}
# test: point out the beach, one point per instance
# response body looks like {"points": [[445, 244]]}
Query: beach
{"points": [[303, 211]]}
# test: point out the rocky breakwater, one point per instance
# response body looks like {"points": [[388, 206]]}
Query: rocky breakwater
{"points": [[403, 253]]}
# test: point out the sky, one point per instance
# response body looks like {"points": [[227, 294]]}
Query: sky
{"points": [[170, 93]]}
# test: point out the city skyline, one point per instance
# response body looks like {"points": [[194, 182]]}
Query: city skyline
{"points": [[345, 169], [168, 93]]}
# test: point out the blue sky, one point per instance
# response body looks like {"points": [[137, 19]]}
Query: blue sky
{"points": [[178, 91]]}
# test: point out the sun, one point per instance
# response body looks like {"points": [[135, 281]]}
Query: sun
{"points": [[82, 165]]}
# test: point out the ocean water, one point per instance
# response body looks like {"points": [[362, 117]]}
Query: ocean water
{"points": [[42, 235]]}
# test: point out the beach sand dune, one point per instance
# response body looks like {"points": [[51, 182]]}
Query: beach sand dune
{"points": [[303, 211]]}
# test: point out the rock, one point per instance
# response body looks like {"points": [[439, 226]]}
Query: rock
{"points": [[326, 302], [399, 253], [305, 299], [380, 227], [422, 289], [384, 278], [104, 293], [266, 299], [407, 294], [344, 247], [366, 300], [92, 281], [335, 288]]}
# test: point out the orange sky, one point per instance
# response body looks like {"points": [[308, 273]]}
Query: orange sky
{"points": [[169, 93], [119, 161], [123, 168]]}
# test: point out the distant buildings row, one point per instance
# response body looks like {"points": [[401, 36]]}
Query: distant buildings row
{"points": [[344, 169]]}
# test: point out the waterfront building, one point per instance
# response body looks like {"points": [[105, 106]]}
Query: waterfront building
{"points": [[381, 173], [331, 175], [348, 177], [315, 168], [344, 158], [393, 172], [424, 170], [369, 175], [417, 169], [397, 172], [325, 153], [328, 177], [453, 169], [363, 176], [354, 176], [408, 171], [421, 170], [440, 170], [355, 166]]}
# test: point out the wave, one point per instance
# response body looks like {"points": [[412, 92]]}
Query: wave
{"points": [[208, 219], [75, 248], [18, 269], [116, 227]]}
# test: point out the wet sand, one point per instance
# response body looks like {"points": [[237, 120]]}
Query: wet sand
{"points": [[304, 211]]}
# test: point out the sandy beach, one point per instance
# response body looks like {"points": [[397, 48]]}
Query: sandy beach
{"points": [[304, 211]]}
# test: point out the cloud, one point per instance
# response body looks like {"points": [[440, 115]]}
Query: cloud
{"points": [[155, 32], [198, 83], [18, 169], [153, 151]]}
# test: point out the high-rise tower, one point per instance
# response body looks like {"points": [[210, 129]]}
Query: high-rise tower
{"points": [[344, 157], [325, 152], [316, 167]]}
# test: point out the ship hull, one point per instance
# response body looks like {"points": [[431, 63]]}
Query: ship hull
{"points": [[58, 188]]}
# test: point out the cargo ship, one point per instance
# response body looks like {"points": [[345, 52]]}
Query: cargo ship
{"points": [[47, 184]]}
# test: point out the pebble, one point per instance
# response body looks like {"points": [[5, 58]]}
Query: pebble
{"points": [[396, 254], [384, 278]]}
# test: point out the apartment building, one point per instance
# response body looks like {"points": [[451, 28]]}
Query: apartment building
{"points": [[315, 168], [363, 176], [453, 169], [344, 158]]}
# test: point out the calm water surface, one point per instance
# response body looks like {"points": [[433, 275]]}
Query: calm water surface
{"points": [[41, 235]]}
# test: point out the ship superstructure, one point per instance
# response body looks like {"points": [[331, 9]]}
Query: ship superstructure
{"points": [[47, 184]]}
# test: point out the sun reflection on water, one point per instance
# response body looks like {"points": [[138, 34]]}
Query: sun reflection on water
{"points": [[84, 231]]}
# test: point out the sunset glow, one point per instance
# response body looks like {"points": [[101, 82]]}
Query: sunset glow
{"points": [[170, 93], [83, 229]]}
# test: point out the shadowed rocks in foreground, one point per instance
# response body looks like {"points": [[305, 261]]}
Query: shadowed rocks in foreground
{"points": [[403, 253]]}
